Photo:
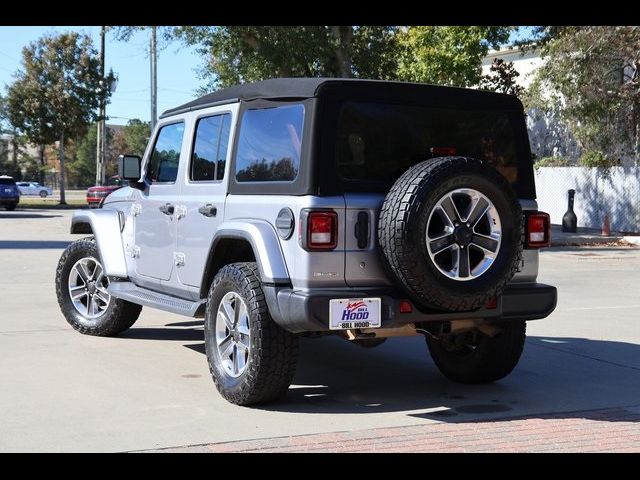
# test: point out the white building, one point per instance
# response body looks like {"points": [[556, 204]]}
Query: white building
{"points": [[548, 137], [524, 63]]}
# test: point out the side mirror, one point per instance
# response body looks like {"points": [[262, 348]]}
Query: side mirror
{"points": [[129, 167]]}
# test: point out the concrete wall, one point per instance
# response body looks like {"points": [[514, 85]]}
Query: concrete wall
{"points": [[598, 191]]}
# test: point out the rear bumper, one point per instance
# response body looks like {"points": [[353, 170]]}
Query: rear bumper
{"points": [[9, 200], [308, 310]]}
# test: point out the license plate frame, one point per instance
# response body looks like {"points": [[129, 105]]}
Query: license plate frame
{"points": [[354, 313]]}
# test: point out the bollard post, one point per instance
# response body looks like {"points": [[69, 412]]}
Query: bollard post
{"points": [[569, 219]]}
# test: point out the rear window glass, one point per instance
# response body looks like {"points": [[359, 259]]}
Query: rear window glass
{"points": [[210, 148], [269, 144], [378, 142], [7, 181]]}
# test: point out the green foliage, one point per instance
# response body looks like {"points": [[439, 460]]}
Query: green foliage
{"points": [[136, 135], [238, 54], [443, 55], [447, 55], [554, 162], [82, 168], [596, 159], [591, 80], [502, 78], [4, 120], [58, 88]]}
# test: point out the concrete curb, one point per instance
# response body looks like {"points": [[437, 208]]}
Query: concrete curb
{"points": [[585, 241], [585, 238], [632, 239]]}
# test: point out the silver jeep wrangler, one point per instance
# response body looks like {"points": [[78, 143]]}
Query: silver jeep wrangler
{"points": [[288, 207]]}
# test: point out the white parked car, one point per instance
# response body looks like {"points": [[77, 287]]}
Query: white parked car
{"points": [[34, 188]]}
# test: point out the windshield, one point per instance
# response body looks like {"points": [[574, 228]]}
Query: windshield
{"points": [[378, 142]]}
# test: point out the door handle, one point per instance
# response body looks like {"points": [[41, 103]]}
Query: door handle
{"points": [[208, 210], [167, 209]]}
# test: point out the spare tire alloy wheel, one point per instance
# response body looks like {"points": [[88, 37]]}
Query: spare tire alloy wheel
{"points": [[463, 246], [451, 233]]}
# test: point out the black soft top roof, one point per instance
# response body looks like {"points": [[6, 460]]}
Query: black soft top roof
{"points": [[301, 88]]}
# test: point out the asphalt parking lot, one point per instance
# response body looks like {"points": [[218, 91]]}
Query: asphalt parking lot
{"points": [[150, 388]]}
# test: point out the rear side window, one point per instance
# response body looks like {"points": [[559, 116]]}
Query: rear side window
{"points": [[210, 148], [269, 144], [165, 156], [378, 142], [7, 181]]}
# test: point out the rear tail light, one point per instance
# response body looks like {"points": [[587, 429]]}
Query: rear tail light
{"points": [[321, 230], [491, 304], [405, 306], [538, 230]]}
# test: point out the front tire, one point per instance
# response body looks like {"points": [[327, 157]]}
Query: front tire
{"points": [[473, 357], [252, 360], [43, 194], [81, 289]]}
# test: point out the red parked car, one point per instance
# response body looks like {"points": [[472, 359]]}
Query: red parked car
{"points": [[96, 194]]}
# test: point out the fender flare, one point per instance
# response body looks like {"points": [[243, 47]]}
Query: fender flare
{"points": [[106, 226], [265, 245]]}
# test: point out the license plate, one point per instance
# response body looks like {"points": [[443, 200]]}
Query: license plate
{"points": [[8, 190], [349, 313]]}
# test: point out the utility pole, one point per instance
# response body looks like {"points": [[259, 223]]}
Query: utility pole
{"points": [[154, 79], [100, 126]]}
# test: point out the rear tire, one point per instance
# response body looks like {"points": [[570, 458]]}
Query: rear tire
{"points": [[252, 359], [43, 194], [10, 208], [472, 357], [102, 318]]}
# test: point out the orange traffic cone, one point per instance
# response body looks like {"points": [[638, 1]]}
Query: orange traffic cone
{"points": [[606, 226]]}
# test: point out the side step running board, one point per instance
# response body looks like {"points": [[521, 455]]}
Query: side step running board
{"points": [[142, 296]]}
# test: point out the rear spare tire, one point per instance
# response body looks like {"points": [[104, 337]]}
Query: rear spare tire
{"points": [[451, 232]]}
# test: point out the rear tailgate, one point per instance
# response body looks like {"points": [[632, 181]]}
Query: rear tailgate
{"points": [[363, 266]]}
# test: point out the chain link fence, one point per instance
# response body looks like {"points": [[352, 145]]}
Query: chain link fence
{"points": [[612, 191]]}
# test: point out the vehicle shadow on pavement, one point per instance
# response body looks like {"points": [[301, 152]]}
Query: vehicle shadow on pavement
{"points": [[558, 374], [32, 244], [555, 374], [174, 334]]}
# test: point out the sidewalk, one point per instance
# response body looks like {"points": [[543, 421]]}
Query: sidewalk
{"points": [[585, 237], [607, 430]]}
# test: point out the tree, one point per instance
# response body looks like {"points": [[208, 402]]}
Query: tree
{"points": [[591, 79], [447, 55], [136, 134], [502, 78], [238, 54], [82, 168], [57, 92], [4, 121]]}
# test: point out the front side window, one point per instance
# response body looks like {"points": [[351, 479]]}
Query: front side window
{"points": [[269, 144], [210, 148], [165, 156]]}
